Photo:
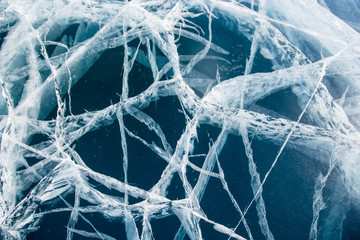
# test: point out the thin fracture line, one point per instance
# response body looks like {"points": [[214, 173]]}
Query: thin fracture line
{"points": [[285, 142]]}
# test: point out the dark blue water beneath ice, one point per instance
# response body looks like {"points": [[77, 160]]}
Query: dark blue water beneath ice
{"points": [[288, 191]]}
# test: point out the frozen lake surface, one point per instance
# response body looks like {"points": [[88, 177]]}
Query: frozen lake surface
{"points": [[165, 119]]}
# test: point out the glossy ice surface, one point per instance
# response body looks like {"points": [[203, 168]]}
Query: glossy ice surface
{"points": [[195, 119]]}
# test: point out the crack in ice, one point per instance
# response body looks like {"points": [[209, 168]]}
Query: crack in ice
{"points": [[171, 53]]}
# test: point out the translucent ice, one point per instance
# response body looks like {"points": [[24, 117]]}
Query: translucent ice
{"points": [[179, 119]]}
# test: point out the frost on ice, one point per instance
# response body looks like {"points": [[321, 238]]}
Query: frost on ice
{"points": [[179, 119]]}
